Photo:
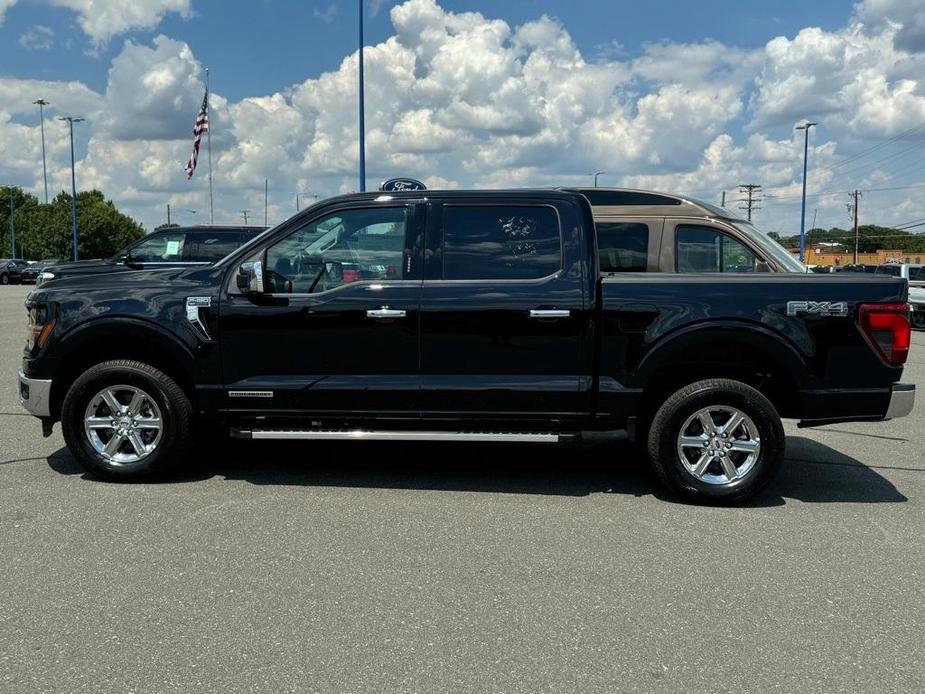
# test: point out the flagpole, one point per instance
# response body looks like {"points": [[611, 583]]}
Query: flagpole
{"points": [[209, 146]]}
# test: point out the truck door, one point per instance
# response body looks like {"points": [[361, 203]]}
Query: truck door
{"points": [[335, 332], [505, 313]]}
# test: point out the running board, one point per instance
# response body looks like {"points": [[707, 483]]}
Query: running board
{"points": [[367, 435]]}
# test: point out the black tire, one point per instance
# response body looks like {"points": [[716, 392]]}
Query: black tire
{"points": [[663, 440], [4, 278], [918, 320], [176, 414]]}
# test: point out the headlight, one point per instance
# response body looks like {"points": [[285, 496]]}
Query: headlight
{"points": [[40, 326], [44, 277]]}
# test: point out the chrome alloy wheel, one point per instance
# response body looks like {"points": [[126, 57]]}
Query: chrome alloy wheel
{"points": [[123, 424], [719, 444]]}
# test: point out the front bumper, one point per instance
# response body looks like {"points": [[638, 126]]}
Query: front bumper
{"points": [[35, 395]]}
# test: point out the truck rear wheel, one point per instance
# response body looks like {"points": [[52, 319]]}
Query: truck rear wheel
{"points": [[716, 441], [125, 420]]}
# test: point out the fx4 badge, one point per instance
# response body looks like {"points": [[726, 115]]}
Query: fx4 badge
{"points": [[817, 308]]}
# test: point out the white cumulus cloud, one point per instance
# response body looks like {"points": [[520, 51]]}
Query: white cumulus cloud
{"points": [[461, 99]]}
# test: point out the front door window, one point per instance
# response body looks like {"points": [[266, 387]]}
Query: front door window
{"points": [[344, 247]]}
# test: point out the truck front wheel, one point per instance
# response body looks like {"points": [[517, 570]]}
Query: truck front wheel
{"points": [[125, 420], [716, 441]]}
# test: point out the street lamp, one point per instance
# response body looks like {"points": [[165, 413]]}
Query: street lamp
{"points": [[42, 104], [70, 121], [596, 174], [805, 128]]}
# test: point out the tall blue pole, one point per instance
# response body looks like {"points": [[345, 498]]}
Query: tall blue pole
{"points": [[805, 128], [362, 112], [70, 122], [12, 226]]}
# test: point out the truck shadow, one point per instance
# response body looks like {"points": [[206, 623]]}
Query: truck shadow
{"points": [[812, 473]]}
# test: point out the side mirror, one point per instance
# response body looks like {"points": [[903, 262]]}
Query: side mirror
{"points": [[762, 266], [128, 260], [250, 277]]}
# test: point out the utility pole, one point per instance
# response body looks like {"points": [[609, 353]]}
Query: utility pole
{"points": [[42, 104], [362, 110], [596, 174], [70, 121], [723, 203], [168, 214], [854, 210], [244, 212], [752, 192], [266, 194]]}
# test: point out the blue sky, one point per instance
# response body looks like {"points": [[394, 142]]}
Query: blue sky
{"points": [[268, 45], [694, 97]]}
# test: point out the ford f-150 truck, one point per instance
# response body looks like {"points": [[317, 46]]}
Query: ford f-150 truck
{"points": [[467, 316]]}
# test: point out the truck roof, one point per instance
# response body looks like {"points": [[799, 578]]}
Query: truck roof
{"points": [[622, 202], [625, 202]]}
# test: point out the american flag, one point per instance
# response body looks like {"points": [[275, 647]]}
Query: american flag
{"points": [[202, 125]]}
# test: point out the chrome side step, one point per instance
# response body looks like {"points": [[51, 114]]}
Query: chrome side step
{"points": [[367, 435]]}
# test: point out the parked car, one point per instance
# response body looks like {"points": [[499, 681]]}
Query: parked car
{"points": [[640, 231], [465, 316], [32, 271], [173, 247], [897, 269], [860, 267], [11, 270], [917, 296]]}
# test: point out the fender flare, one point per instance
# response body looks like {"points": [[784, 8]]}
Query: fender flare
{"points": [[743, 333], [152, 335]]}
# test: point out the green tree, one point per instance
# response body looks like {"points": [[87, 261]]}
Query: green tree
{"points": [[44, 231]]}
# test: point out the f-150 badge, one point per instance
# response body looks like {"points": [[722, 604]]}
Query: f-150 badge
{"points": [[817, 308]]}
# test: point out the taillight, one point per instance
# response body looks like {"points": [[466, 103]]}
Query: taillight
{"points": [[888, 329]]}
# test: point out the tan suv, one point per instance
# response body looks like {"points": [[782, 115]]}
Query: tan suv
{"points": [[645, 231]]}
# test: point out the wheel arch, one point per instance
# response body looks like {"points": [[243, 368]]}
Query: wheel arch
{"points": [[739, 350], [105, 339]]}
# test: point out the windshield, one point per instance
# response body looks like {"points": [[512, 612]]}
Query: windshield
{"points": [[769, 245], [894, 270]]}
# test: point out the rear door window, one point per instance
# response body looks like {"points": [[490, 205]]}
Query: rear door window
{"points": [[212, 246], [500, 242], [702, 249], [622, 246]]}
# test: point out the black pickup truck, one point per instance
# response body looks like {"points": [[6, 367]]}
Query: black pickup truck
{"points": [[465, 316]]}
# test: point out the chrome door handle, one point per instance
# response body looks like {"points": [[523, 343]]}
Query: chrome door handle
{"points": [[385, 312], [549, 313]]}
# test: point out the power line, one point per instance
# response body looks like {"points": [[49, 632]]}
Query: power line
{"points": [[874, 148]]}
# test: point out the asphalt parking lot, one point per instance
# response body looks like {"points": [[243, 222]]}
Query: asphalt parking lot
{"points": [[424, 568]]}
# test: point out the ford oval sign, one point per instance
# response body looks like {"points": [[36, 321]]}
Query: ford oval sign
{"points": [[396, 185]]}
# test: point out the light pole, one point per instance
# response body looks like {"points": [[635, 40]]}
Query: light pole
{"points": [[362, 111], [596, 174], [805, 128], [70, 122], [42, 104], [12, 225]]}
